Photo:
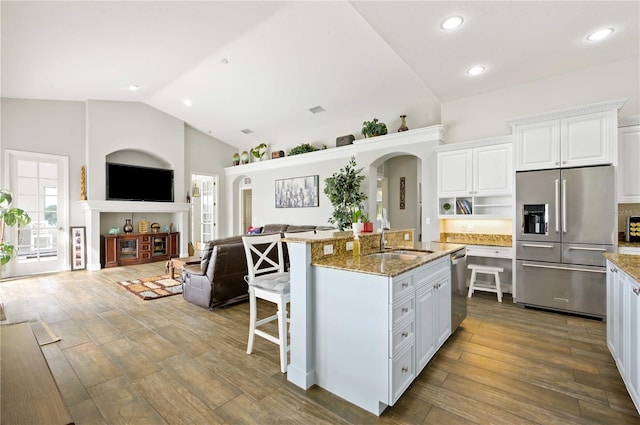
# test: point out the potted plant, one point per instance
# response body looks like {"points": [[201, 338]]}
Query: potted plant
{"points": [[259, 151], [343, 191], [304, 148], [9, 217], [373, 128]]}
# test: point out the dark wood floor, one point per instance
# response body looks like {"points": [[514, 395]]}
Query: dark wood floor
{"points": [[123, 361]]}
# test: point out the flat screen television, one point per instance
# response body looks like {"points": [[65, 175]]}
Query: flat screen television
{"points": [[135, 183]]}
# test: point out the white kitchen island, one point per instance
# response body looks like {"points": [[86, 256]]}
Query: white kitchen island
{"points": [[363, 328]]}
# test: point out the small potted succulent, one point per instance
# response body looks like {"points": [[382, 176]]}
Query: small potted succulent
{"points": [[259, 151], [373, 128]]}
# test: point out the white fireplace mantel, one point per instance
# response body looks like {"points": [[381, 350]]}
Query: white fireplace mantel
{"points": [[93, 209]]}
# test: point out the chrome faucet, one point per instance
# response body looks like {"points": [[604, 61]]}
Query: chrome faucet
{"points": [[383, 241]]}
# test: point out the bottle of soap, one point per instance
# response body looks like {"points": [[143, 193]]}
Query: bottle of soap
{"points": [[356, 246]]}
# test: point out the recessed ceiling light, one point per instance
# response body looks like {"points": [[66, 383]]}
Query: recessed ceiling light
{"points": [[317, 109], [187, 102], [133, 87], [451, 22], [475, 70], [600, 34]]}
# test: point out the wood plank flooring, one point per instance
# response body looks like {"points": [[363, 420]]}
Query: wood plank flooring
{"points": [[122, 360]]}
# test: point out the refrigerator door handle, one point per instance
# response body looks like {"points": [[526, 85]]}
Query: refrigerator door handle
{"points": [[571, 269], [557, 205], [580, 248], [533, 245], [564, 206]]}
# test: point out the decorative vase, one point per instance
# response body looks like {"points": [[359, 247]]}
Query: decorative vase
{"points": [[128, 227], [403, 125], [245, 157], [236, 159]]}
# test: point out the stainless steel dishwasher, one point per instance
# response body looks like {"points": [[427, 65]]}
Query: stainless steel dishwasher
{"points": [[458, 288]]}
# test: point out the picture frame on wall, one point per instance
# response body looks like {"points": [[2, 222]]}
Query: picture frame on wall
{"points": [[78, 248], [297, 192]]}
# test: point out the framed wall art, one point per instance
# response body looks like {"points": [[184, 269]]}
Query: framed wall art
{"points": [[298, 192], [78, 248], [402, 192]]}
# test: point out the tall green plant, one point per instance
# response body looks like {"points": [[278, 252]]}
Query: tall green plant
{"points": [[343, 190], [9, 217]]}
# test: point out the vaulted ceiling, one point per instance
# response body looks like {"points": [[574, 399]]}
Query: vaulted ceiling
{"points": [[261, 65]]}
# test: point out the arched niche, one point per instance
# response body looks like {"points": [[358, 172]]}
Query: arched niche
{"points": [[138, 157]]}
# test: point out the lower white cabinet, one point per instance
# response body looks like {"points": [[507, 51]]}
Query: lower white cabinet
{"points": [[628, 250], [374, 334], [623, 331]]}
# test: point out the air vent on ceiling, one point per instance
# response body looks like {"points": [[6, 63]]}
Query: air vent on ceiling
{"points": [[247, 131], [317, 109]]}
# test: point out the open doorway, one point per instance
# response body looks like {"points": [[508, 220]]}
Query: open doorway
{"points": [[246, 209]]}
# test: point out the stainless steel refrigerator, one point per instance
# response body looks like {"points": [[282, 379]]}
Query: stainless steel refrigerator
{"points": [[565, 222]]}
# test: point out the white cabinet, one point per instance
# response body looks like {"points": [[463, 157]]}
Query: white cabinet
{"points": [[475, 177], [574, 137], [433, 315], [623, 331], [629, 164], [628, 250], [369, 330]]}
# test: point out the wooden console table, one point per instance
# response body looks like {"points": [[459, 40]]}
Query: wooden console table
{"points": [[30, 394], [139, 248]]}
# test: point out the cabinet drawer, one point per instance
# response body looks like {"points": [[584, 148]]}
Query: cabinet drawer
{"points": [[402, 310], [402, 336], [145, 247], [402, 286], [145, 255], [402, 372], [146, 239], [489, 251]]}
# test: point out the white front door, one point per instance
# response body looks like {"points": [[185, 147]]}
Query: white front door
{"points": [[39, 184]]}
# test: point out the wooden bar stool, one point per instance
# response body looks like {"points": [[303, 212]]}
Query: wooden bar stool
{"points": [[473, 286]]}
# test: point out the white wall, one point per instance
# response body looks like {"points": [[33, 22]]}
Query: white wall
{"points": [[115, 126], [485, 115], [51, 127], [369, 154]]}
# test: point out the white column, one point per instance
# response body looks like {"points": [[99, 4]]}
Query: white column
{"points": [[301, 370]]}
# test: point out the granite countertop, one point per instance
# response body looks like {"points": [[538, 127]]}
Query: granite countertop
{"points": [[630, 264], [629, 244], [477, 239], [387, 267]]}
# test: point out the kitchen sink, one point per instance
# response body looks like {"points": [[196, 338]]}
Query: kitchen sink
{"points": [[393, 256], [414, 252]]}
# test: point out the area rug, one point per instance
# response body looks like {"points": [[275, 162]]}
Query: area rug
{"points": [[151, 288]]}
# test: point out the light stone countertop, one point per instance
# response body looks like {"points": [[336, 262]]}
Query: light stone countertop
{"points": [[387, 267], [630, 264]]}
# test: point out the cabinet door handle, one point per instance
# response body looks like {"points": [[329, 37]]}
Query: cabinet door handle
{"points": [[557, 204], [613, 270], [405, 334], [405, 369], [405, 310], [636, 291], [405, 285]]}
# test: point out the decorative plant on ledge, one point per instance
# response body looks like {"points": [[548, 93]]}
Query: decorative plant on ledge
{"points": [[9, 217], [304, 148], [343, 191], [373, 128], [259, 151]]}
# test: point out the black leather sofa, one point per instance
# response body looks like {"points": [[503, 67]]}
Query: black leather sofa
{"points": [[219, 278]]}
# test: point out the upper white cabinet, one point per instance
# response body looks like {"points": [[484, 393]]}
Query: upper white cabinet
{"points": [[475, 177], [573, 137], [629, 164]]}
